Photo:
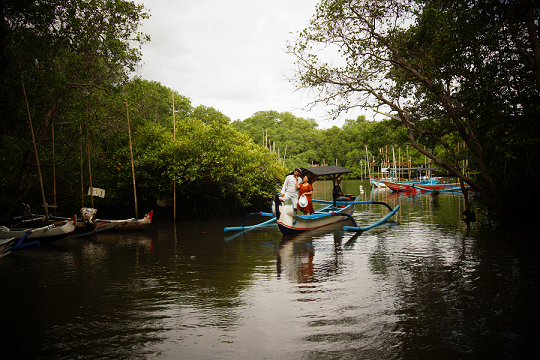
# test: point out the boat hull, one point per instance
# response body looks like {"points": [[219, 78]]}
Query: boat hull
{"points": [[398, 186], [44, 234], [291, 223], [127, 224], [419, 187]]}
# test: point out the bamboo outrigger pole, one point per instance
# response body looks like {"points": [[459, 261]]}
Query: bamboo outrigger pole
{"points": [[45, 205], [132, 166]]}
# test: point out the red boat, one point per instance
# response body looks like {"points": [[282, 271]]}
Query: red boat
{"points": [[422, 187], [398, 186]]}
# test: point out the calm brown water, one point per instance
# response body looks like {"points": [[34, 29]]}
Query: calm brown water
{"points": [[424, 286]]}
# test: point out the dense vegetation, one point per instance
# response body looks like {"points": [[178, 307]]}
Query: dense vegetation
{"points": [[451, 72], [460, 79], [300, 142], [73, 59]]}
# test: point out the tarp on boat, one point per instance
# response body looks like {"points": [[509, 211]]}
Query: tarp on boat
{"points": [[316, 171], [326, 170]]}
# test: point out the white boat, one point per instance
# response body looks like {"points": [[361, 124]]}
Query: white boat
{"points": [[376, 183], [289, 222], [126, 224], [35, 236]]}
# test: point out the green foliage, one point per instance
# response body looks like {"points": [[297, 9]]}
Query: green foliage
{"points": [[307, 145], [218, 170], [75, 58], [209, 115], [452, 72]]}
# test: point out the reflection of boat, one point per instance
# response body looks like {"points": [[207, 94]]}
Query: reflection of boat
{"points": [[402, 194], [296, 254], [125, 239], [36, 236]]}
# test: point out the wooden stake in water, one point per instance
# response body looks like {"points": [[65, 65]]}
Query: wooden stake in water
{"points": [[132, 166]]}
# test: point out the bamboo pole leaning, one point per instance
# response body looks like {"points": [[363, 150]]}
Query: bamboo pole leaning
{"points": [[45, 205], [132, 165]]}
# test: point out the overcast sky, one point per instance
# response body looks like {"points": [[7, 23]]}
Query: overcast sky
{"points": [[229, 55]]}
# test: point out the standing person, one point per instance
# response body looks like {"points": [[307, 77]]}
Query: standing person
{"points": [[289, 189], [306, 189], [337, 194]]}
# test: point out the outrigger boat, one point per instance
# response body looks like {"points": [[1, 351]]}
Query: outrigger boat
{"points": [[289, 222], [26, 237], [334, 211]]}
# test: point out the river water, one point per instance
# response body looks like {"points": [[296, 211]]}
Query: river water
{"points": [[423, 286]]}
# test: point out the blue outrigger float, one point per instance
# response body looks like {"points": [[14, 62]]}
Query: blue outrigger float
{"points": [[289, 222]]}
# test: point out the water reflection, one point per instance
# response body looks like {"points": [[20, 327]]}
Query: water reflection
{"points": [[421, 287], [296, 255]]}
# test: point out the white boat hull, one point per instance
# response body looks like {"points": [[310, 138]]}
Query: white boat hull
{"points": [[290, 223], [44, 234], [127, 224]]}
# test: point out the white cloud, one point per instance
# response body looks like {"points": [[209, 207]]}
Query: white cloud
{"points": [[230, 54]]}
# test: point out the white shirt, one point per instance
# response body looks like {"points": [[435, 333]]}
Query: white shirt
{"points": [[290, 185]]}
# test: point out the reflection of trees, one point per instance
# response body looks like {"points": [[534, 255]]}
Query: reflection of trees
{"points": [[457, 299]]}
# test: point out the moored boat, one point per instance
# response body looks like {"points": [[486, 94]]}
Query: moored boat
{"points": [[127, 224], [290, 222], [412, 187], [394, 186], [36, 236]]}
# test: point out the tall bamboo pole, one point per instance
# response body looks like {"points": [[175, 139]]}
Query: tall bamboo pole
{"points": [[399, 162], [45, 205], [89, 168], [174, 175], [54, 169], [82, 164], [369, 164], [132, 165], [394, 159]]}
